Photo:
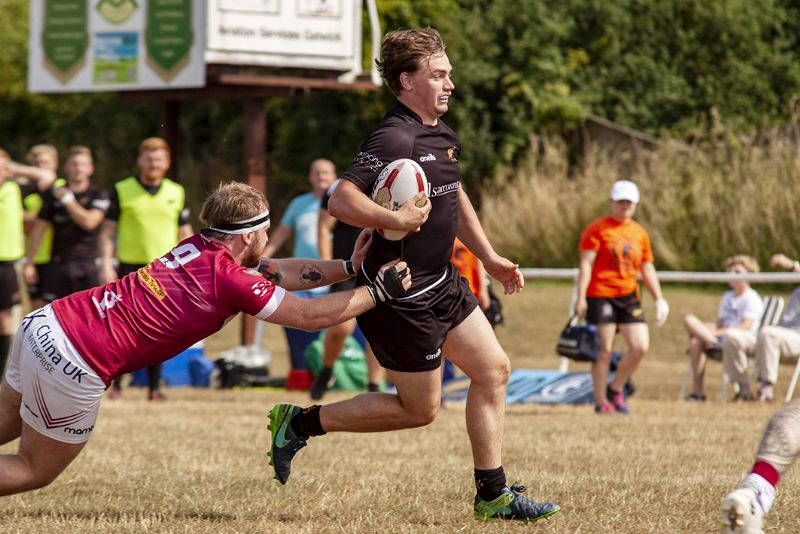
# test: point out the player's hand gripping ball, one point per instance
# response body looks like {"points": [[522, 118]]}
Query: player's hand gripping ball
{"points": [[396, 185]]}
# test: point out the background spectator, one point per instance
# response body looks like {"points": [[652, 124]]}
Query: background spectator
{"points": [[772, 344], [739, 315], [75, 212], [147, 216], [614, 250]]}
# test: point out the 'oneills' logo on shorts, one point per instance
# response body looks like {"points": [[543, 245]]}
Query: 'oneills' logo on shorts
{"points": [[150, 282]]}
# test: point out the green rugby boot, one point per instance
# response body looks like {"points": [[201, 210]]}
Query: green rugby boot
{"points": [[285, 443], [511, 504]]}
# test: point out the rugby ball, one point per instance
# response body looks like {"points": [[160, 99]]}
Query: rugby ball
{"points": [[396, 185]]}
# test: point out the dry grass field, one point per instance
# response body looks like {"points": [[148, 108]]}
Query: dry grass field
{"points": [[197, 463]]}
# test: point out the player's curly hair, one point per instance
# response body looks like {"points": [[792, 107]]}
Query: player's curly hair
{"points": [[402, 51], [228, 203], [748, 262]]}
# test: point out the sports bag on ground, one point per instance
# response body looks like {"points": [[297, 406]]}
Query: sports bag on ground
{"points": [[578, 342]]}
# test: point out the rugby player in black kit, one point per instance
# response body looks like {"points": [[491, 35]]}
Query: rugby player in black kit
{"points": [[439, 314]]}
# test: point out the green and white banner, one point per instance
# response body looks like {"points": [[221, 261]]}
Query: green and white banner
{"points": [[112, 45]]}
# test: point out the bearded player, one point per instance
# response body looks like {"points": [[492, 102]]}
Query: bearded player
{"points": [[66, 354], [439, 314]]}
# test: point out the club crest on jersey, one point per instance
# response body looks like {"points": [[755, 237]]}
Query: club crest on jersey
{"points": [[453, 152]]}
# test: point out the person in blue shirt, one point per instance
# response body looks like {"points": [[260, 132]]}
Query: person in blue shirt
{"points": [[300, 217]]}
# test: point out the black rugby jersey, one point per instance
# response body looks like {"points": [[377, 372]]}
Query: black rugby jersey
{"points": [[401, 134], [71, 243]]}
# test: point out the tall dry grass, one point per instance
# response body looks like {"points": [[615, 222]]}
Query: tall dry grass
{"points": [[197, 463], [701, 202]]}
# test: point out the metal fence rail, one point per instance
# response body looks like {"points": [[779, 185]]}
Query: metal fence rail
{"points": [[530, 273]]}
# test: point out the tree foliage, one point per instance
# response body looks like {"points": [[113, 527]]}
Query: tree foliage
{"points": [[521, 67]]}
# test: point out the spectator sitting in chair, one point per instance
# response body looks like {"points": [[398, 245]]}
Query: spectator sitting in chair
{"points": [[772, 344], [739, 315]]}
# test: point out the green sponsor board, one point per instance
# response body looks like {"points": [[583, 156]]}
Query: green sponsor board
{"points": [[169, 31], [64, 34]]}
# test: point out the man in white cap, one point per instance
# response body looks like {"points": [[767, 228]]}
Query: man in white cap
{"points": [[614, 250]]}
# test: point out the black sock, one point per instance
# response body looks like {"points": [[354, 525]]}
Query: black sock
{"points": [[490, 482], [325, 373], [306, 423], [372, 387], [610, 393], [154, 377], [5, 346]]}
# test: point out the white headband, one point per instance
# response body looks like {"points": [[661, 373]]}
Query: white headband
{"points": [[244, 227]]}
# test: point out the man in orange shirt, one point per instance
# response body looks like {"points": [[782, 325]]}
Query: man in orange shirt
{"points": [[471, 268], [614, 250]]}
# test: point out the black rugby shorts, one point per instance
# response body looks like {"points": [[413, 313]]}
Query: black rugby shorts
{"points": [[35, 291], [407, 335], [618, 310], [62, 279], [9, 287]]}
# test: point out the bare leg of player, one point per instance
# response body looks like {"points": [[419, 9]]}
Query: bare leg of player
{"points": [[600, 367], [697, 359], [637, 337], [416, 404], [37, 463], [743, 509], [473, 347], [332, 346]]}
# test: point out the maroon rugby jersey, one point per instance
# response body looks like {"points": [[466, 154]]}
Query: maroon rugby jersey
{"points": [[163, 308]]}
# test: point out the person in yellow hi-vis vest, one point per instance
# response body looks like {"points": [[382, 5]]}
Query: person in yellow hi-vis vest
{"points": [[42, 157], [148, 215], [12, 247]]}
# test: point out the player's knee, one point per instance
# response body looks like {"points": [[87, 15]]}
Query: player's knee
{"points": [[423, 415], [503, 370], [689, 319], [637, 352], [604, 356]]}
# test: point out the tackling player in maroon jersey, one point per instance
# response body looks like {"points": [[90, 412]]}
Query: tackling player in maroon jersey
{"points": [[66, 354]]}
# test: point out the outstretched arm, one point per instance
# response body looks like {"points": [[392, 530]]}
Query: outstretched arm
{"points": [[472, 235], [44, 178], [303, 273], [393, 281]]}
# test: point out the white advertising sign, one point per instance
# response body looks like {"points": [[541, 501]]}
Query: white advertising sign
{"points": [[324, 34], [112, 45]]}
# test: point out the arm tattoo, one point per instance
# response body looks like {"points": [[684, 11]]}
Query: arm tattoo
{"points": [[311, 275], [270, 271]]}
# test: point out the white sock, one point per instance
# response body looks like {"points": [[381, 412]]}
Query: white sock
{"points": [[765, 492]]}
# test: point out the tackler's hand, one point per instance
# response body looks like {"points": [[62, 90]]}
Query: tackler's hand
{"points": [[361, 247]]}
